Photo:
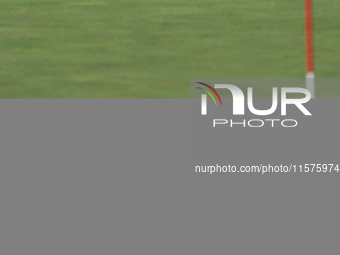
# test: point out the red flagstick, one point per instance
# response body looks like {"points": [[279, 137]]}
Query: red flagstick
{"points": [[310, 76]]}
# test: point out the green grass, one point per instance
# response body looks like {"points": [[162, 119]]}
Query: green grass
{"points": [[151, 48]]}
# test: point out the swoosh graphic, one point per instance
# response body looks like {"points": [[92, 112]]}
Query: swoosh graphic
{"points": [[213, 90]]}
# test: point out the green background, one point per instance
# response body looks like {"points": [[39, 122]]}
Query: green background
{"points": [[151, 48]]}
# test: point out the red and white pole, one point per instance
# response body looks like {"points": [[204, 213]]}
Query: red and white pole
{"points": [[310, 75]]}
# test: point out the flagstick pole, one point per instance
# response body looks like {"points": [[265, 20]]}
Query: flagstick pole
{"points": [[310, 75]]}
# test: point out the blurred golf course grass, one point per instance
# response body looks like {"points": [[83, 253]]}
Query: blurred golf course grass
{"points": [[151, 48]]}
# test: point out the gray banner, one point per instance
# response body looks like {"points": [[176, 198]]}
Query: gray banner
{"points": [[114, 177]]}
